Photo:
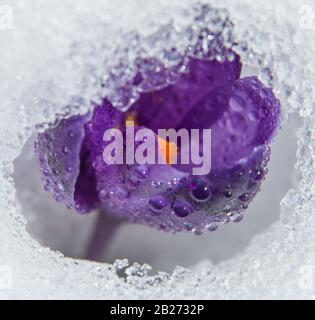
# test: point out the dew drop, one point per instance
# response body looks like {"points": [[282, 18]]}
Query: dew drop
{"points": [[120, 194], [201, 191], [198, 232], [170, 223], [59, 197], [237, 218], [255, 85], [65, 149], [103, 194], [257, 175], [182, 208], [237, 103], [132, 182], [142, 172], [212, 227], [263, 93], [156, 184], [188, 226], [244, 197], [228, 194], [157, 203], [68, 169]]}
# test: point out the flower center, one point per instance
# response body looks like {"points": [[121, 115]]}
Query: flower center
{"points": [[169, 150]]}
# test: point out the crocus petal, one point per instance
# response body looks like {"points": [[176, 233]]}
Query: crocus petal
{"points": [[242, 116], [167, 199], [165, 108], [58, 151], [86, 193], [127, 190], [242, 113], [104, 117]]}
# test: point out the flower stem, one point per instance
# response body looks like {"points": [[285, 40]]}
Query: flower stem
{"points": [[104, 230]]}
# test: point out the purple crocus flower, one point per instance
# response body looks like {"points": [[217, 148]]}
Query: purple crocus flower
{"points": [[243, 115]]}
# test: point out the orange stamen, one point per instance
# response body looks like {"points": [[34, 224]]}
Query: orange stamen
{"points": [[131, 119], [169, 150]]}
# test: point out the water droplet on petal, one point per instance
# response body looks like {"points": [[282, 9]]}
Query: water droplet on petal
{"points": [[237, 218], [228, 194], [142, 172], [198, 232], [68, 169], [244, 197], [257, 175], [132, 182], [65, 149], [157, 203], [212, 227], [182, 208], [237, 103], [188, 226], [201, 191], [121, 194], [103, 194], [59, 197]]}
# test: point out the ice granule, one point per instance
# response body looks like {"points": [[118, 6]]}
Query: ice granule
{"points": [[52, 62]]}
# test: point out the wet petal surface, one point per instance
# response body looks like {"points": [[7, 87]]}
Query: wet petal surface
{"points": [[243, 115]]}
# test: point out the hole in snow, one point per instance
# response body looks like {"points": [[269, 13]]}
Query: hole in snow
{"points": [[52, 225]]}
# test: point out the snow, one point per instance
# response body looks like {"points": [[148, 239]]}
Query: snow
{"points": [[52, 61]]}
